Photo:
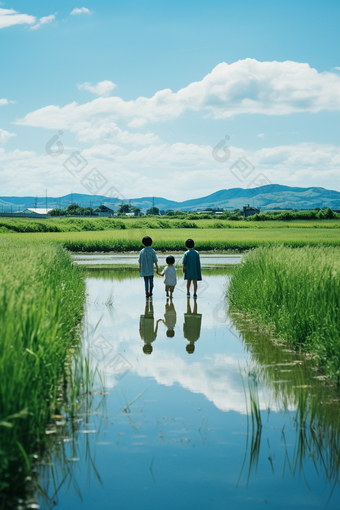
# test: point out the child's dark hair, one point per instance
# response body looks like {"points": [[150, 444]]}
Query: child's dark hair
{"points": [[147, 349], [170, 259], [147, 241], [170, 333], [190, 348], [189, 243]]}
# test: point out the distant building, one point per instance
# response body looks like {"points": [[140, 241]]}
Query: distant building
{"points": [[36, 211], [107, 211], [249, 211]]}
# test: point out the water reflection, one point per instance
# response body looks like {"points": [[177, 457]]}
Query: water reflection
{"points": [[310, 438], [192, 326], [250, 420], [170, 318], [147, 329]]}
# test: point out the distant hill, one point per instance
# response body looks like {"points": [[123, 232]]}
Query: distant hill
{"points": [[272, 196]]}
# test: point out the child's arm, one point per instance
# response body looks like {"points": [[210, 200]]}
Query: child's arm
{"points": [[140, 267], [157, 270], [183, 268]]}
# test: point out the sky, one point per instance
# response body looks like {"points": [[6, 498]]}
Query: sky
{"points": [[172, 99]]}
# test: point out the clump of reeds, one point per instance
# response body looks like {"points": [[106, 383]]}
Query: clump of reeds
{"points": [[41, 302], [294, 292]]}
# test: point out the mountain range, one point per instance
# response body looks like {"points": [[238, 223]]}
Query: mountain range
{"points": [[272, 196]]}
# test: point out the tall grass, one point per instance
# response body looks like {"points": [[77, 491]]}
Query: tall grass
{"points": [[174, 239], [311, 405], [41, 302], [17, 225], [296, 294]]}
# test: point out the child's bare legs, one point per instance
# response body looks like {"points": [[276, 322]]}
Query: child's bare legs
{"points": [[194, 282], [169, 288]]}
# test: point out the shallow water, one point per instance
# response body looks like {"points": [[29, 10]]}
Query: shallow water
{"points": [[201, 411], [98, 259]]}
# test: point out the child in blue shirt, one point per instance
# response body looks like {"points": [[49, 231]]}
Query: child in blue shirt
{"points": [[147, 258], [191, 267]]}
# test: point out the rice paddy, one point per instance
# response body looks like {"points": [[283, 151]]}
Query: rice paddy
{"points": [[295, 293], [174, 239], [41, 302]]}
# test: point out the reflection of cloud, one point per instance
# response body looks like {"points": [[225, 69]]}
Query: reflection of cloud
{"points": [[216, 375]]}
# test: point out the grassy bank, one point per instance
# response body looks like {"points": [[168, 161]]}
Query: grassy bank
{"points": [[41, 301], [295, 293], [174, 239], [17, 225]]}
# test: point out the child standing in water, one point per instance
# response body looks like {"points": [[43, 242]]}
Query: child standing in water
{"points": [[170, 279], [191, 267], [147, 258]]}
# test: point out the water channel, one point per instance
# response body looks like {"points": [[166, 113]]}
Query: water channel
{"points": [[191, 407]]}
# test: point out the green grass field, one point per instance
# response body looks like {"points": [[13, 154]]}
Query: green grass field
{"points": [[15, 225], [174, 239], [42, 298], [295, 293]]}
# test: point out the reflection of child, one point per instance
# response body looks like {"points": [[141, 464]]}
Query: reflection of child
{"points": [[191, 267], [192, 326], [170, 279], [147, 330], [170, 318], [147, 258]]}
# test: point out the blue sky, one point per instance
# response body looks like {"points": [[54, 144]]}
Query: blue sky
{"points": [[174, 79]]}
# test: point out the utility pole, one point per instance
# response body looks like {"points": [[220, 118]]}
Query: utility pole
{"points": [[153, 205], [36, 203], [46, 202]]}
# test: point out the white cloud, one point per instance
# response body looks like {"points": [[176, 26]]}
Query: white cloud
{"points": [[10, 17], [44, 20], [135, 172], [5, 136], [246, 86], [98, 132], [103, 88], [261, 135], [3, 101], [81, 10]]}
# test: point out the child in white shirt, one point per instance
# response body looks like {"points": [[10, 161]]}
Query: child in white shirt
{"points": [[169, 272]]}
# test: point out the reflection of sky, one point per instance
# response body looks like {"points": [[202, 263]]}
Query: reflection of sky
{"points": [[212, 370], [112, 259], [175, 446]]}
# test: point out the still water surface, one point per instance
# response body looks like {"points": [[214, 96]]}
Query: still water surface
{"points": [[198, 409]]}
